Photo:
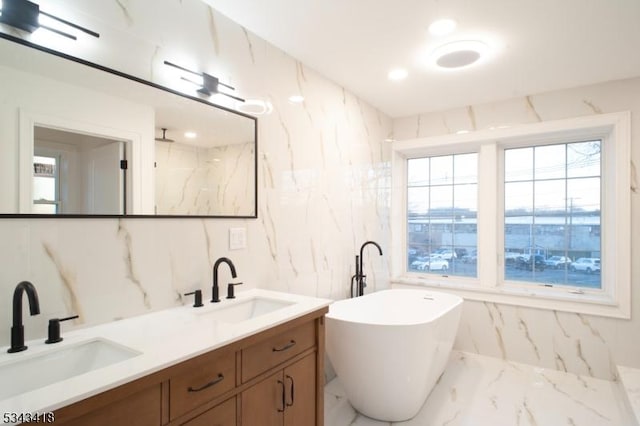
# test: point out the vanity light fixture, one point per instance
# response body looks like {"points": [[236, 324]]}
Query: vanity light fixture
{"points": [[27, 16], [209, 85]]}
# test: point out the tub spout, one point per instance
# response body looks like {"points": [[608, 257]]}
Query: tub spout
{"points": [[360, 277]]}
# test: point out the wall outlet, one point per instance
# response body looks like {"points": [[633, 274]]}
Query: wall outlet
{"points": [[237, 238]]}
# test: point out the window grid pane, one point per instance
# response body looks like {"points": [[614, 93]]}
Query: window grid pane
{"points": [[442, 206], [552, 220]]}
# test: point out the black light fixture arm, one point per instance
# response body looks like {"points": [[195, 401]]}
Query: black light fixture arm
{"points": [[24, 15], [71, 24], [209, 84]]}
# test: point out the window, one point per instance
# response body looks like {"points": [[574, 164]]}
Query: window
{"points": [[536, 215], [442, 206], [551, 202], [46, 194]]}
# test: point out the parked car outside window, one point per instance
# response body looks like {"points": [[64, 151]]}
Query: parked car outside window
{"points": [[589, 265], [557, 262]]}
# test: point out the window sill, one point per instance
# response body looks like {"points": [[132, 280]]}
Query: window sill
{"points": [[555, 299]]}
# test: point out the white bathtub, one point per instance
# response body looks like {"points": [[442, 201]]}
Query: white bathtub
{"points": [[389, 348]]}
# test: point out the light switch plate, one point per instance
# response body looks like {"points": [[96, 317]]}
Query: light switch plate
{"points": [[237, 238]]}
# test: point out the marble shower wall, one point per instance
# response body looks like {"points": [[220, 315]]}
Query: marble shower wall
{"points": [[204, 180], [323, 178], [582, 344]]}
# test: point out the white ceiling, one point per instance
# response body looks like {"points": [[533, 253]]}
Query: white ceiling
{"points": [[543, 45]]}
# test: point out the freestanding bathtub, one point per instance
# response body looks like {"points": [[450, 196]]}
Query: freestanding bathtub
{"points": [[389, 348]]}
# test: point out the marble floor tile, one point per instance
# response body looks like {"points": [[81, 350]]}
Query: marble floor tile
{"points": [[478, 390]]}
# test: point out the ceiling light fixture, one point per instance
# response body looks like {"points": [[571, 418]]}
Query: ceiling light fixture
{"points": [[296, 99], [255, 107], [459, 54], [397, 74], [27, 16], [190, 135], [209, 85], [442, 27]]}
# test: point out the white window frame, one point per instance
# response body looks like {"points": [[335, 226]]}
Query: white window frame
{"points": [[613, 300]]}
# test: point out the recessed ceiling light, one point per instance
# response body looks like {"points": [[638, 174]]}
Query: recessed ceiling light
{"points": [[296, 99], [442, 27], [398, 74], [459, 54], [190, 135], [255, 107]]}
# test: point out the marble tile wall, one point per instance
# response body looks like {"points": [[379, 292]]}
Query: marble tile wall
{"points": [[580, 344], [204, 180], [323, 178]]}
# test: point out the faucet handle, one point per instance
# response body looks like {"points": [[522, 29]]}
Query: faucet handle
{"points": [[197, 301], [230, 290], [54, 329]]}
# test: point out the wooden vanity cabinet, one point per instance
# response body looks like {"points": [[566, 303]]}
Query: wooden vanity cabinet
{"points": [[287, 397], [275, 377]]}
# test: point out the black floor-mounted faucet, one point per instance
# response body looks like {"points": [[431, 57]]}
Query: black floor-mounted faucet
{"points": [[17, 329], [360, 278], [215, 298]]}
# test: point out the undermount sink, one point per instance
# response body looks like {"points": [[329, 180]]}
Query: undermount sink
{"points": [[246, 309], [32, 372]]}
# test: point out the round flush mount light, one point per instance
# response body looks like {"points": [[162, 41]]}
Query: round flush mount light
{"points": [[459, 54], [190, 135], [398, 74], [296, 99], [442, 27], [255, 107]]}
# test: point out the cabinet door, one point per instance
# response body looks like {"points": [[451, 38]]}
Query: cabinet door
{"points": [[263, 404], [220, 415], [142, 408], [300, 392]]}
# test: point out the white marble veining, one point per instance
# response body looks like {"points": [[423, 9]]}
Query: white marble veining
{"points": [[479, 390], [580, 344], [163, 339], [204, 180]]}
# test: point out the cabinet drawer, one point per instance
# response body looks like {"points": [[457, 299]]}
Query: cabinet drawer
{"points": [[275, 350], [201, 380], [220, 415]]}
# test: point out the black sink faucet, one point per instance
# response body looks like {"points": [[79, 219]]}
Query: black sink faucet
{"points": [[214, 291], [360, 277], [17, 330]]}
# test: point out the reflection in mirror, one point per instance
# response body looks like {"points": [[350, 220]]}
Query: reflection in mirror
{"points": [[71, 127], [75, 173]]}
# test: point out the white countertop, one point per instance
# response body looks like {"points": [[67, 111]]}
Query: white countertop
{"points": [[163, 338]]}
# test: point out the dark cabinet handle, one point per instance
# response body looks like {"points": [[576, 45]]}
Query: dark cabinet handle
{"points": [[281, 410], [291, 390], [289, 345], [208, 385]]}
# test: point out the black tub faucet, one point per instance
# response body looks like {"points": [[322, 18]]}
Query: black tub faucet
{"points": [[17, 329], [215, 298], [360, 277]]}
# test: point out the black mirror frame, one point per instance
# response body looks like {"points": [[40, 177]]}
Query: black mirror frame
{"points": [[155, 86]]}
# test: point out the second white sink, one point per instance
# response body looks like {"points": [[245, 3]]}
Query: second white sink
{"points": [[28, 373], [246, 309]]}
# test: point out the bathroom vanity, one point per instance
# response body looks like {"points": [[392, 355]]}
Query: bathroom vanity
{"points": [[255, 361]]}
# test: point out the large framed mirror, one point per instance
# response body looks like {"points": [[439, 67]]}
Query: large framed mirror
{"points": [[78, 139]]}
